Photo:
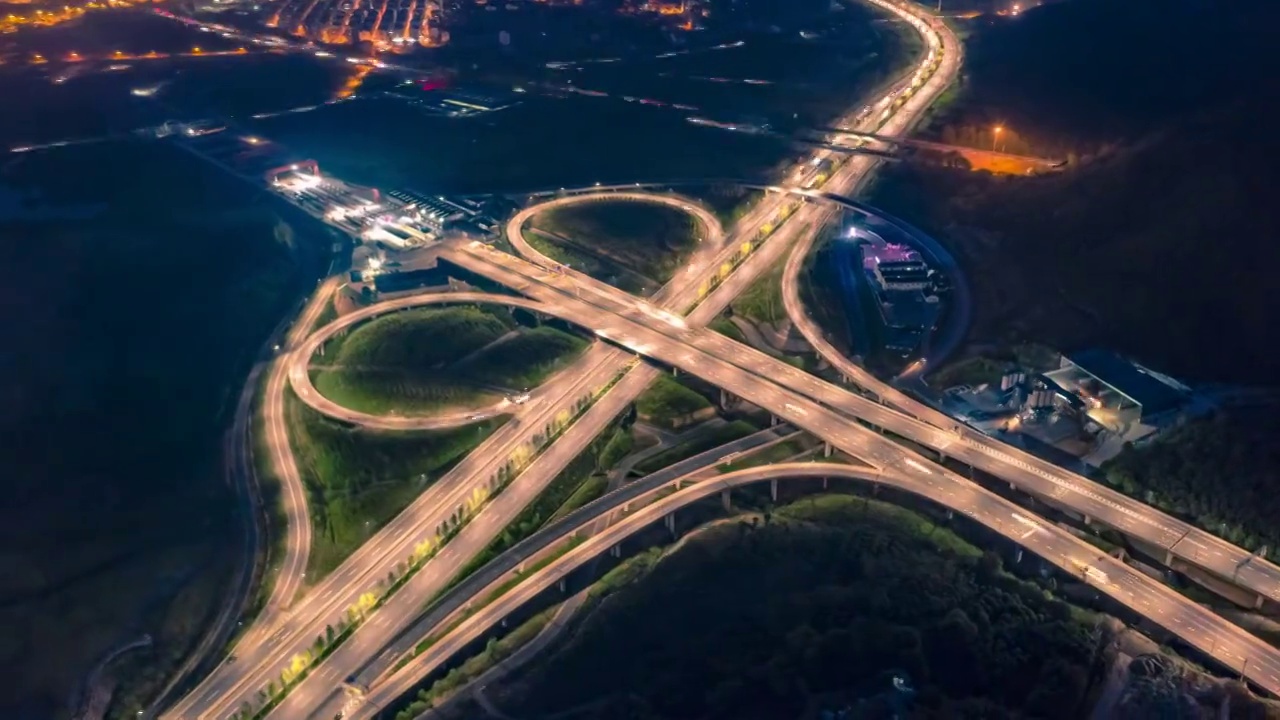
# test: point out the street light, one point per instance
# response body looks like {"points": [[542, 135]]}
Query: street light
{"points": [[995, 134]]}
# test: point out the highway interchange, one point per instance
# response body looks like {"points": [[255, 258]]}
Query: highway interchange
{"points": [[667, 328]]}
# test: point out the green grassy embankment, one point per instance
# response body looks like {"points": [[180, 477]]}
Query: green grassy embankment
{"points": [[649, 240], [667, 403], [357, 479], [432, 359]]}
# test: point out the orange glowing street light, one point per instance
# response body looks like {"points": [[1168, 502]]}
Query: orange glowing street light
{"points": [[995, 135]]}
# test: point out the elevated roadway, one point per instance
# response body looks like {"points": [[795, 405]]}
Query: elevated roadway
{"points": [[485, 580], [225, 690], [1196, 625], [616, 315], [820, 419], [260, 657]]}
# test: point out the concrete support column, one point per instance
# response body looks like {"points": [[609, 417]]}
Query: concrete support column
{"points": [[824, 483], [725, 500], [773, 420], [950, 513], [670, 521], [1018, 557], [826, 449], [564, 586], [1088, 520], [1168, 558], [616, 551], [773, 489], [1257, 602]]}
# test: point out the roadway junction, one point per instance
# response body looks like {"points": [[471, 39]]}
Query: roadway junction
{"points": [[278, 668]]}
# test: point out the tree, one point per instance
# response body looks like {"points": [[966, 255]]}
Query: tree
{"points": [[328, 634]]}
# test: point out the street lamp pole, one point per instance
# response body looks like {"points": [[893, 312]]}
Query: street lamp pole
{"points": [[995, 135]]}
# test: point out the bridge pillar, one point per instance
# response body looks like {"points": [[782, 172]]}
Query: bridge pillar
{"points": [[950, 514], [616, 551], [1168, 558], [1257, 601], [826, 449], [773, 489], [670, 521], [773, 420], [564, 586], [1017, 558], [1088, 520], [726, 399], [675, 372], [824, 482], [726, 501]]}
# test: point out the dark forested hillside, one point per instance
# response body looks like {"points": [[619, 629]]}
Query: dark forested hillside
{"points": [[820, 608]]}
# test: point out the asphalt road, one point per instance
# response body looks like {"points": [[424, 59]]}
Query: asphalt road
{"points": [[1198, 626], [261, 660], [405, 627], [771, 384]]}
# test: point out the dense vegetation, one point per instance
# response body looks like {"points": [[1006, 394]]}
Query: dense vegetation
{"points": [[1221, 471], [427, 359], [132, 312], [1176, 179], [357, 480], [817, 608], [668, 403]]}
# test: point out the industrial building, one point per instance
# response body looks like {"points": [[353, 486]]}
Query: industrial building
{"points": [[903, 274], [904, 289], [1109, 382]]}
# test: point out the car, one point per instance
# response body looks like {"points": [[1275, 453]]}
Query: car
{"points": [[520, 399]]}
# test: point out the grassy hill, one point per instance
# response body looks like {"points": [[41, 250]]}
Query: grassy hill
{"points": [[429, 359], [814, 609]]}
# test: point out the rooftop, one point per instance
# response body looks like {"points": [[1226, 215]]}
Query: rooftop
{"points": [[1128, 379]]}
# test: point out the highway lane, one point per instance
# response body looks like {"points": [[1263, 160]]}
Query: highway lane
{"points": [[762, 210], [403, 607], [297, 545], [343, 664], [262, 661], [483, 581], [632, 332], [1026, 470], [936, 430], [1196, 625], [1182, 539], [219, 698]]}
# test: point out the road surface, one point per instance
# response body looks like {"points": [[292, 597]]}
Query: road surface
{"points": [[1199, 626]]}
